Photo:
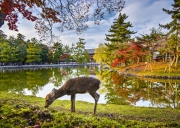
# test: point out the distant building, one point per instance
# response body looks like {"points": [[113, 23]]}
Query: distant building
{"points": [[91, 54]]}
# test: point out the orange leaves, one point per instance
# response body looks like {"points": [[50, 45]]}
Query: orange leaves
{"points": [[116, 61], [118, 79], [50, 13], [60, 14], [10, 9], [27, 14], [131, 51]]}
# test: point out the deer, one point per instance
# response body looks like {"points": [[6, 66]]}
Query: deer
{"points": [[74, 86]]}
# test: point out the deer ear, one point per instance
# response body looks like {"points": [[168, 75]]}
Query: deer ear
{"points": [[54, 91]]}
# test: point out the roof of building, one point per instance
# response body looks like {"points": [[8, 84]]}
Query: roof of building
{"points": [[90, 51]]}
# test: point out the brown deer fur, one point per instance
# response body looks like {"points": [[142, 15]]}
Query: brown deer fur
{"points": [[72, 87]]}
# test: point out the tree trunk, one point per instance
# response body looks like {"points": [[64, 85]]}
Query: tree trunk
{"points": [[170, 64]]}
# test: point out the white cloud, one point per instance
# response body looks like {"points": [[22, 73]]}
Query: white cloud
{"points": [[146, 14], [25, 27], [143, 14]]}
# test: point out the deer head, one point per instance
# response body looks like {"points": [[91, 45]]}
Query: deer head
{"points": [[50, 98]]}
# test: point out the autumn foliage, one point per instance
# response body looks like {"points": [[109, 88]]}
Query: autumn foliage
{"points": [[11, 8], [64, 56], [131, 51]]}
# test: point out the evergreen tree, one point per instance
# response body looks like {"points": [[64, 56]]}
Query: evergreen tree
{"points": [[58, 51], [119, 34], [80, 54], [174, 25], [151, 41], [174, 30], [2, 35], [119, 31], [44, 53]]}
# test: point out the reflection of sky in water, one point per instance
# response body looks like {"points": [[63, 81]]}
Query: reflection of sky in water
{"points": [[83, 97], [163, 93], [144, 103]]}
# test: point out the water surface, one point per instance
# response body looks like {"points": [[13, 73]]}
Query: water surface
{"points": [[115, 88]]}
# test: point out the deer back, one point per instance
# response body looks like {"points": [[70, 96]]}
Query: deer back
{"points": [[81, 85]]}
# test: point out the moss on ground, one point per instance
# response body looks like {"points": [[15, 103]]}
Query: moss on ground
{"points": [[28, 111]]}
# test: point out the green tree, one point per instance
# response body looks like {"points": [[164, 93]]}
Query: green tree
{"points": [[66, 56], [119, 31], [13, 56], [151, 42], [11, 40], [8, 53], [80, 54], [119, 34], [44, 53], [33, 53], [20, 37], [173, 28], [22, 52], [50, 56], [58, 51], [67, 49], [102, 56], [2, 35], [21, 46]]}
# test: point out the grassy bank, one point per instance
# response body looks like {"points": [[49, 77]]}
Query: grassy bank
{"points": [[157, 69], [28, 111]]}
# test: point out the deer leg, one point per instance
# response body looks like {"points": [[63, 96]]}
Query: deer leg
{"points": [[96, 98], [73, 102]]}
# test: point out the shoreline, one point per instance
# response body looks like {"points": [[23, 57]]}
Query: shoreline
{"points": [[150, 76], [156, 73], [130, 74], [46, 66]]}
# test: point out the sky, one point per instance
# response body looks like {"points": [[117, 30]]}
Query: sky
{"points": [[143, 14]]}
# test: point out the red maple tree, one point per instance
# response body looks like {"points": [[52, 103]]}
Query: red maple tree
{"points": [[132, 51], [10, 10], [59, 14], [64, 56]]}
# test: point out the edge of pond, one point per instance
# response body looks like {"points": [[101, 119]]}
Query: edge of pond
{"points": [[89, 64], [46, 66], [149, 76]]}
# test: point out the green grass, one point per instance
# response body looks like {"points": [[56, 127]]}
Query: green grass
{"points": [[28, 111]]}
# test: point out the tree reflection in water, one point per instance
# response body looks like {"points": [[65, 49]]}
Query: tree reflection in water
{"points": [[18, 80], [118, 89], [34, 80], [126, 90]]}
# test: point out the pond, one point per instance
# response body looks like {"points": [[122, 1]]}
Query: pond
{"points": [[115, 88]]}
